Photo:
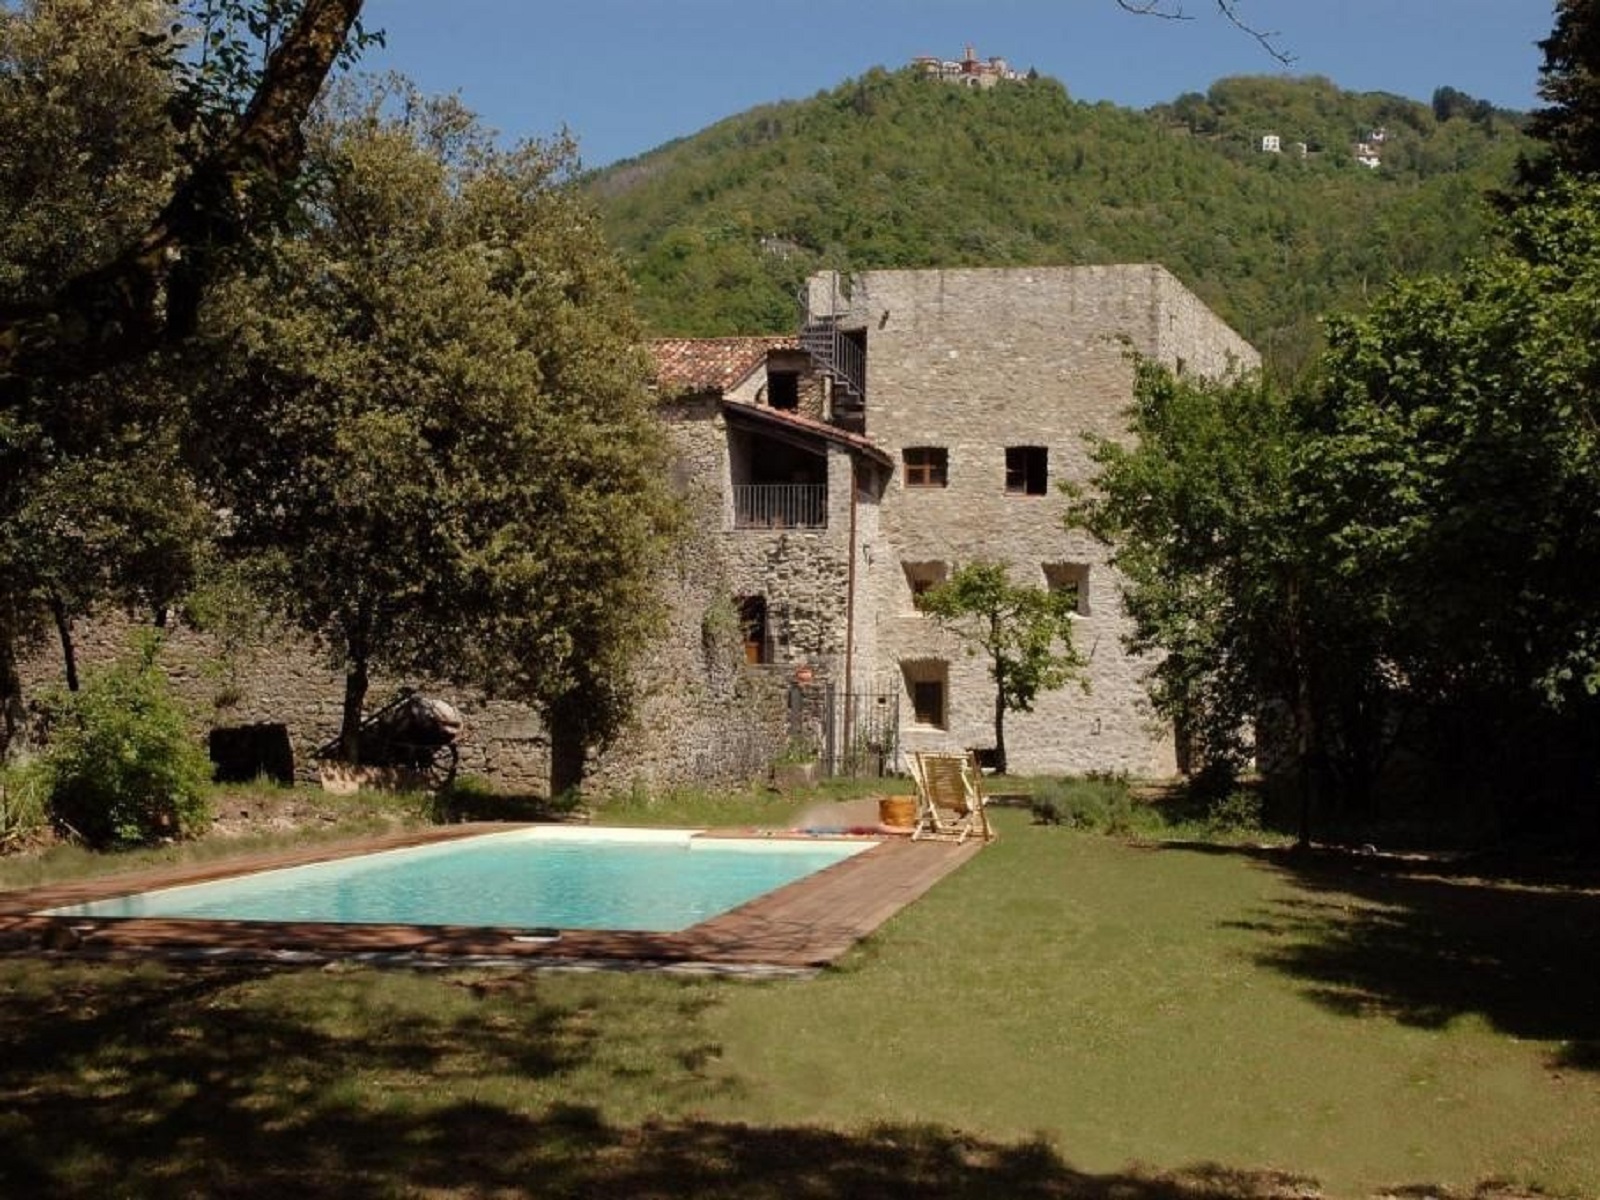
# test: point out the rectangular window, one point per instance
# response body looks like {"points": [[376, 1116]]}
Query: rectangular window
{"points": [[753, 628], [1027, 470], [1072, 578], [920, 576], [783, 390], [927, 681], [926, 466]]}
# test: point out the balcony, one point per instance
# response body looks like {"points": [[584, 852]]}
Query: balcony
{"points": [[780, 506]]}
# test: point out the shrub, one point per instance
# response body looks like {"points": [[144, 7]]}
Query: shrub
{"points": [[24, 788], [1235, 813], [1101, 803], [123, 767]]}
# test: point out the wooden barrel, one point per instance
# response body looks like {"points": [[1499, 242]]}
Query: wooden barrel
{"points": [[897, 812]]}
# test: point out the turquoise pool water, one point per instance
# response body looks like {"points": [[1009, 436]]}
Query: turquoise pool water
{"points": [[647, 880]]}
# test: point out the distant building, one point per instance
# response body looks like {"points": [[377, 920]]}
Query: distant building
{"points": [[970, 71], [1271, 144], [1367, 155]]}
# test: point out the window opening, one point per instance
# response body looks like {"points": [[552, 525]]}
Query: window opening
{"points": [[783, 390], [927, 681], [921, 577], [753, 628], [1072, 578], [1027, 470], [926, 466]]}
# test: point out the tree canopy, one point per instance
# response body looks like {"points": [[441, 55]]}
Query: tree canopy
{"points": [[1024, 631], [445, 457], [1401, 552]]}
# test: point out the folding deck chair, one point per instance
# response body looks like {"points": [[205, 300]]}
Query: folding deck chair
{"points": [[950, 798]]}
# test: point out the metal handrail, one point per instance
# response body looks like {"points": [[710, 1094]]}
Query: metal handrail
{"points": [[780, 506]]}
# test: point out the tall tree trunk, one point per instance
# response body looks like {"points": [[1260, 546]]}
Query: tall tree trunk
{"points": [[355, 699], [69, 652], [12, 711], [999, 730], [999, 698]]}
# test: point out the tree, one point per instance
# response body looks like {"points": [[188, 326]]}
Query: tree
{"points": [[129, 177], [1026, 632], [1239, 604], [149, 290], [449, 464], [1570, 80], [1457, 471], [89, 154]]}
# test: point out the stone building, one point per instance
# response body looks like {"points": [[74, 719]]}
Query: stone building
{"points": [[918, 421], [932, 415]]}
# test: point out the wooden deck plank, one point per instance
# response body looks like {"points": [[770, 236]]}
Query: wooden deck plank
{"points": [[806, 924]]}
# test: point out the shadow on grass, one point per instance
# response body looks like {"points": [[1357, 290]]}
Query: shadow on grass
{"points": [[1429, 943], [204, 1082]]}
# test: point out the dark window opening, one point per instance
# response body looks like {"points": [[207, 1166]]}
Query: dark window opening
{"points": [[783, 390], [922, 577], [753, 628], [1072, 580], [926, 466], [927, 681], [1027, 470]]}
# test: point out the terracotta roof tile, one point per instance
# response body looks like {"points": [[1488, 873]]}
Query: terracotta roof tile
{"points": [[711, 364]]}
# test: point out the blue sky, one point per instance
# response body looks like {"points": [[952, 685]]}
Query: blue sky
{"points": [[625, 76]]}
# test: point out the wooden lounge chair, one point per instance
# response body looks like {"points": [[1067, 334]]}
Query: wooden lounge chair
{"points": [[950, 798]]}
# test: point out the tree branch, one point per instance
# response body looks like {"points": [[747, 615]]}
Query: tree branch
{"points": [[149, 294], [1172, 10]]}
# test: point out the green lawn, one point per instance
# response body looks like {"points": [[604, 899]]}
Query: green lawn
{"points": [[1067, 1016]]}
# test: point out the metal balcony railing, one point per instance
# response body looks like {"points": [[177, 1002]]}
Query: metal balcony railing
{"points": [[780, 506]]}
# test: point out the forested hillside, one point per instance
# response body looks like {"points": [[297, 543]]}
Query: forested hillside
{"points": [[894, 170]]}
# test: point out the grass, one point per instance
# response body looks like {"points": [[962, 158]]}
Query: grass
{"points": [[1067, 1016]]}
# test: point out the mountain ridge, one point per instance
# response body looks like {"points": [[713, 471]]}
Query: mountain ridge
{"points": [[893, 169]]}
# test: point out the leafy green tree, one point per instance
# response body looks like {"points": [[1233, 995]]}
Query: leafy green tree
{"points": [[148, 291], [1249, 624], [130, 175], [1025, 631], [1569, 79], [1457, 472], [88, 154], [449, 450]]}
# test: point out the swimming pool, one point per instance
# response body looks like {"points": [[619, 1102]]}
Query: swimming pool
{"points": [[552, 877]]}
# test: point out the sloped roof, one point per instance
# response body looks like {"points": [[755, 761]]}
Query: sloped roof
{"points": [[711, 364], [796, 423]]}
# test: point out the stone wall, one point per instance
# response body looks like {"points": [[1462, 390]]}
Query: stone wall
{"points": [[704, 713], [286, 681], [973, 362]]}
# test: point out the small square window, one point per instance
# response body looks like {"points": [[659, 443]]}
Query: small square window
{"points": [[927, 681], [927, 702], [1027, 470], [926, 466], [1072, 578], [922, 576], [783, 390]]}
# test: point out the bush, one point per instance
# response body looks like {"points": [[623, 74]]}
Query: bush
{"points": [[24, 788], [1236, 813], [124, 768], [1101, 803]]}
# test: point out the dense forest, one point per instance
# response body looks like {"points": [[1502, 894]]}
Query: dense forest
{"points": [[896, 170]]}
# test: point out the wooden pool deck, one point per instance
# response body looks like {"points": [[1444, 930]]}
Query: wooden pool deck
{"points": [[803, 926]]}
